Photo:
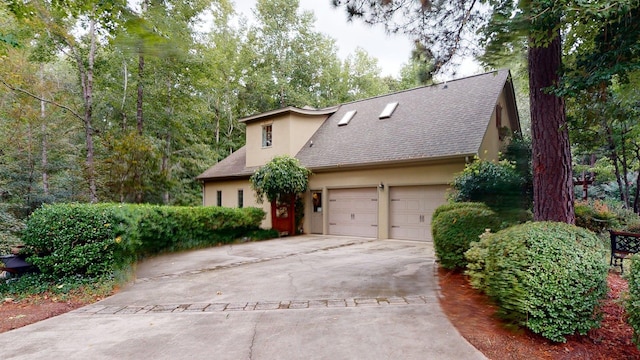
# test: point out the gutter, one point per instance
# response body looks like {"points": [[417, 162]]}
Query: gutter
{"points": [[394, 163]]}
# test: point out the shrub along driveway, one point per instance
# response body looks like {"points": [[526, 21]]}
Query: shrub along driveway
{"points": [[305, 297]]}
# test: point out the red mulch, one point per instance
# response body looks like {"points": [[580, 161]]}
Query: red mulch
{"points": [[15, 314], [473, 315]]}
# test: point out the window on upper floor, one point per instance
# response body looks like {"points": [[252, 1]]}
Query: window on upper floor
{"points": [[267, 135], [501, 128]]}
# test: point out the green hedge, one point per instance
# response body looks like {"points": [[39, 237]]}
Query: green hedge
{"points": [[92, 240], [549, 277], [457, 205], [632, 305], [455, 226], [497, 184]]}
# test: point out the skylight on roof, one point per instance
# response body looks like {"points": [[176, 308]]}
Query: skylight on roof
{"points": [[388, 110], [346, 118]]}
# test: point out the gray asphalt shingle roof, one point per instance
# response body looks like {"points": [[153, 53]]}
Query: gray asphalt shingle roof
{"points": [[430, 122], [230, 167], [438, 121]]}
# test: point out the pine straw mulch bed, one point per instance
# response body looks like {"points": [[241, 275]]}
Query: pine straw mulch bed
{"points": [[473, 315]]}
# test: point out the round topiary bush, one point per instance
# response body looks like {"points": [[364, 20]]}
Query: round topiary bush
{"points": [[453, 230], [549, 277]]}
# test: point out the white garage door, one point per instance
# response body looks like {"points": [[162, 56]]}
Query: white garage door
{"points": [[411, 208], [353, 212]]}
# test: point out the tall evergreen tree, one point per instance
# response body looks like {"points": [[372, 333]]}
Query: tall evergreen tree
{"points": [[443, 27]]}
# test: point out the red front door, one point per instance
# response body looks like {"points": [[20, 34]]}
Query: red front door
{"points": [[283, 216]]}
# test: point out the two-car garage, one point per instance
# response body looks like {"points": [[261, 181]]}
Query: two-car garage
{"points": [[355, 212]]}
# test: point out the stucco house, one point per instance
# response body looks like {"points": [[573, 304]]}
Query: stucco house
{"points": [[380, 165]]}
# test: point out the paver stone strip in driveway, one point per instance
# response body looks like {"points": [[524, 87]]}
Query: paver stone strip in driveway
{"points": [[304, 297]]}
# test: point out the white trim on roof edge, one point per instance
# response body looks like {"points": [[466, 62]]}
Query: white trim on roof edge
{"points": [[291, 109]]}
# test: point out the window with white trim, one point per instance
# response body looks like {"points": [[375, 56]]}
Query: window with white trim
{"points": [[267, 135]]}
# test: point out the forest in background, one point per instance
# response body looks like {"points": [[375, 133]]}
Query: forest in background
{"points": [[130, 101]]}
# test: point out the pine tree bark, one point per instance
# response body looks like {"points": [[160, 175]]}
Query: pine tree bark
{"points": [[552, 173]]}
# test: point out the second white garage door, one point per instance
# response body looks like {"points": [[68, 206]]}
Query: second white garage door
{"points": [[411, 208], [353, 212]]}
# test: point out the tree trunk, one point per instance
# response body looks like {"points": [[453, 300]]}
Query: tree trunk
{"points": [[140, 126], [44, 153], [45, 159], [139, 115], [31, 166], [88, 113], [636, 192], [166, 172], [124, 95], [615, 159], [625, 166], [552, 174], [636, 195]]}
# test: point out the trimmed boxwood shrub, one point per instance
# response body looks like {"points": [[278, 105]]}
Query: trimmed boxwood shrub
{"points": [[70, 239], [476, 260], [458, 205], [93, 240], [632, 305], [549, 277], [153, 229], [454, 229]]}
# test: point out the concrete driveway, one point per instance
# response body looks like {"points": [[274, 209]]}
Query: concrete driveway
{"points": [[304, 297]]}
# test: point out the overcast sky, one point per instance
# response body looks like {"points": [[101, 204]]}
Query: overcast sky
{"points": [[391, 51]]}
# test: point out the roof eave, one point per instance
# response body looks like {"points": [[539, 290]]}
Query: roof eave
{"points": [[205, 179], [289, 109], [515, 115], [394, 163]]}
